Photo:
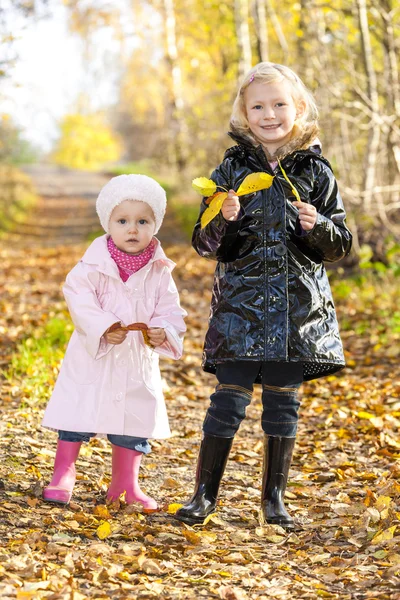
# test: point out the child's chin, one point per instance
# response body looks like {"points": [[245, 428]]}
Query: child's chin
{"points": [[132, 249]]}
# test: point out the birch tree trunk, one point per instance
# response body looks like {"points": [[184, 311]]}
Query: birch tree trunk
{"points": [[372, 93], [260, 19], [393, 89], [178, 126], [278, 29], [243, 36]]}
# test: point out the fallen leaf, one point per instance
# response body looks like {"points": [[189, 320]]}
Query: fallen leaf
{"points": [[104, 530], [384, 536], [172, 508]]}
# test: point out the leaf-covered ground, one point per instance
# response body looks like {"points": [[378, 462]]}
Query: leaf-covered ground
{"points": [[345, 479]]}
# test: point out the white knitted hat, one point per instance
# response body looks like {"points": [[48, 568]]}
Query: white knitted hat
{"points": [[131, 187]]}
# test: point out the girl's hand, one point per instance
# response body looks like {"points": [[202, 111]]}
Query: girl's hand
{"points": [[231, 207], [156, 336], [307, 215], [115, 337]]}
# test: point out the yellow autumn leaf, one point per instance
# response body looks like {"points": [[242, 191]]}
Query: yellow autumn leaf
{"points": [[101, 511], [192, 537], [384, 536], [321, 593], [254, 183], [209, 518], [172, 508], [205, 186], [365, 415], [213, 209], [104, 530], [383, 502], [295, 192]]}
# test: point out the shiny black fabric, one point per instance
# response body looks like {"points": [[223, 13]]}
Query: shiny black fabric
{"points": [[271, 297]]}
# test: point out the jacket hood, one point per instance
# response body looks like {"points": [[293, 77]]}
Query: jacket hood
{"points": [[98, 255], [302, 139]]}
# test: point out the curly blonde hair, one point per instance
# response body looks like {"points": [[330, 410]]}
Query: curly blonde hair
{"points": [[268, 72]]}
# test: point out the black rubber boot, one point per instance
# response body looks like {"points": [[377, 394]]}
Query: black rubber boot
{"points": [[213, 455], [277, 458]]}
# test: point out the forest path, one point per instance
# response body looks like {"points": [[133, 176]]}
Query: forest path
{"points": [[344, 483]]}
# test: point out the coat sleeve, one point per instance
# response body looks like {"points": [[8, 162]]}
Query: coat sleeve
{"points": [[218, 236], [330, 236], [90, 320], [169, 315]]}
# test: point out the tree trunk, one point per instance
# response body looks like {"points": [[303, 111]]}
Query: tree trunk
{"points": [[260, 19], [243, 36], [393, 88], [178, 125], [278, 29], [372, 93]]}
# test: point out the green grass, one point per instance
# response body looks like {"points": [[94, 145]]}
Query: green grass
{"points": [[186, 215], [35, 363]]}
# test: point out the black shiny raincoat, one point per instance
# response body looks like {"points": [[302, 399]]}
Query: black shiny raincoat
{"points": [[271, 298]]}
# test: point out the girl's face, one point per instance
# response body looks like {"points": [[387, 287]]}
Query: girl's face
{"points": [[271, 112], [132, 226]]}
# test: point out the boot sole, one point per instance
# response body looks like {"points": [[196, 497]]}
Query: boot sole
{"points": [[47, 496], [283, 524], [60, 502], [191, 520]]}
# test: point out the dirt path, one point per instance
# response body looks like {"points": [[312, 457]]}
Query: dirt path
{"points": [[344, 486]]}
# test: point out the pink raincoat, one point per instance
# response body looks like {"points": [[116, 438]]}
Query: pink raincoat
{"points": [[116, 389]]}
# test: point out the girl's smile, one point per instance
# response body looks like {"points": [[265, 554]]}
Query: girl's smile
{"points": [[272, 112]]}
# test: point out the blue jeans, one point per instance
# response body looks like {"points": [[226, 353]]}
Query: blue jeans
{"points": [[280, 384], [125, 441]]}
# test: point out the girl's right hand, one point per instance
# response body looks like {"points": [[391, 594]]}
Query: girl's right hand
{"points": [[231, 207], [115, 337]]}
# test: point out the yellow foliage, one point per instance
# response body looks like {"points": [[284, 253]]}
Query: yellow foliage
{"points": [[213, 208], [252, 183], [86, 142], [384, 536], [204, 186], [102, 511], [104, 530], [172, 508]]}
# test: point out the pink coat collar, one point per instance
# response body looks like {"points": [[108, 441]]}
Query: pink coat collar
{"points": [[98, 255]]}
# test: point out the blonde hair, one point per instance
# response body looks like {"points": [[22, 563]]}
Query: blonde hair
{"points": [[268, 72]]}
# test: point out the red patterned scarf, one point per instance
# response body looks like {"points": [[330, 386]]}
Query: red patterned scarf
{"points": [[127, 263]]}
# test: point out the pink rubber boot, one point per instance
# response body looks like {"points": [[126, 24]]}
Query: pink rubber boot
{"points": [[62, 483], [125, 474]]}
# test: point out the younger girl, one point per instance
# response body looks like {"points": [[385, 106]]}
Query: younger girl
{"points": [[272, 316], [110, 382]]}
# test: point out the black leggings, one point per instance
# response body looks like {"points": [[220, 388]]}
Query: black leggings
{"points": [[280, 384]]}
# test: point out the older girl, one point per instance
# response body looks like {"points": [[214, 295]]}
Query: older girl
{"points": [[272, 316]]}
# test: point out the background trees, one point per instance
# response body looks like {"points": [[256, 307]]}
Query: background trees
{"points": [[180, 61]]}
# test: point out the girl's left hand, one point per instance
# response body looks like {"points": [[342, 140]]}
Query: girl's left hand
{"points": [[307, 215], [157, 336]]}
